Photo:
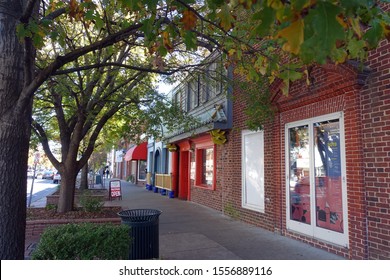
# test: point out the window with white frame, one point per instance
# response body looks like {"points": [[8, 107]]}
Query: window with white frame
{"points": [[315, 185], [205, 166], [253, 170]]}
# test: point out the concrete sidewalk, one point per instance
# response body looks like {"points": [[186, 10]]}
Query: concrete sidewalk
{"points": [[189, 231]]}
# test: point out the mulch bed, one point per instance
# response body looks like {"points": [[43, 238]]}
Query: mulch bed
{"points": [[48, 214]]}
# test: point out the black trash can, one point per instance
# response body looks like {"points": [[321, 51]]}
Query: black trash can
{"points": [[144, 232]]}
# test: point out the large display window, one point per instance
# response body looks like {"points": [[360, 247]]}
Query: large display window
{"points": [[316, 189]]}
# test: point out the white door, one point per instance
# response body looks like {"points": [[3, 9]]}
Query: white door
{"points": [[315, 181]]}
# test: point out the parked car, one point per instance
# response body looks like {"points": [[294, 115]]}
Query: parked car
{"points": [[48, 174], [56, 178], [39, 174]]}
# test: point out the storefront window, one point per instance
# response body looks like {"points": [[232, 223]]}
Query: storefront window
{"points": [[316, 189], [142, 170], [208, 166], [205, 167], [299, 174], [328, 175]]}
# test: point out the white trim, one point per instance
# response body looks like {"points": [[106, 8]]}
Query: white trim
{"points": [[312, 230], [257, 204]]}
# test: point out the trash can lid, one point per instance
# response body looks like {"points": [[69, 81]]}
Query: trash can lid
{"points": [[139, 215]]}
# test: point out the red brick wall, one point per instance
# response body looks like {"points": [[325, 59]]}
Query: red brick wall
{"points": [[375, 105], [365, 103]]}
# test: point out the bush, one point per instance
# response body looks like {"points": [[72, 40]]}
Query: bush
{"points": [[91, 203], [85, 241]]}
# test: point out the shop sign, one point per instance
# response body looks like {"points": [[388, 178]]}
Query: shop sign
{"points": [[115, 189]]}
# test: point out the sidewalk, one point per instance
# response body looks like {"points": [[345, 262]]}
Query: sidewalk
{"points": [[189, 231]]}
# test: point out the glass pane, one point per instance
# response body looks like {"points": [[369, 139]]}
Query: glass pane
{"points": [[208, 167], [142, 170], [327, 161], [299, 174]]}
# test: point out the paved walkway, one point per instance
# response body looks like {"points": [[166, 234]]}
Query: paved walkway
{"points": [[189, 231]]}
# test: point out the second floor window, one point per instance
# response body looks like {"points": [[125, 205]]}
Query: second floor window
{"points": [[193, 94]]}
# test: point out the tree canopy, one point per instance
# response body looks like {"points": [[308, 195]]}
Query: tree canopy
{"points": [[279, 36]]}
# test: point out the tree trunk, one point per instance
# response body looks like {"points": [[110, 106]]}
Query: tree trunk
{"points": [[14, 135], [67, 190], [84, 178]]}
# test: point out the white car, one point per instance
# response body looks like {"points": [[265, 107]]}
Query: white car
{"points": [[56, 178]]}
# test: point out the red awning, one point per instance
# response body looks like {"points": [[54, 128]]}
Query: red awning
{"points": [[139, 152]]}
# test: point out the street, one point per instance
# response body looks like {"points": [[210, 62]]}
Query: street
{"points": [[41, 188]]}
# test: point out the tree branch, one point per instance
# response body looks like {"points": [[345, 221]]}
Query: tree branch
{"points": [[40, 132], [60, 61]]}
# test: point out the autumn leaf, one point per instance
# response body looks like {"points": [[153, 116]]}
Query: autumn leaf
{"points": [[355, 24], [294, 36], [75, 11], [226, 18], [167, 41], [189, 19], [386, 29]]}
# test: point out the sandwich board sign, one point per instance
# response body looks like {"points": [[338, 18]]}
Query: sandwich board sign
{"points": [[115, 190]]}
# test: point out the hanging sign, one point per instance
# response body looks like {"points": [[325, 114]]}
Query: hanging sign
{"points": [[115, 189]]}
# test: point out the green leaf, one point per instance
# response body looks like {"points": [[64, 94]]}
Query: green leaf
{"points": [[99, 23], [355, 48], [298, 5], [131, 4], [190, 40], [339, 55], [38, 40], [374, 34], [22, 32], [226, 18], [162, 50], [267, 18], [322, 32], [290, 75], [54, 35], [89, 15]]}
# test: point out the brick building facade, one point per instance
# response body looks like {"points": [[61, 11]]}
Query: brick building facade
{"points": [[319, 172]]}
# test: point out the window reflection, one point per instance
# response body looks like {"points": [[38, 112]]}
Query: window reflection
{"points": [[299, 174], [208, 166], [328, 175]]}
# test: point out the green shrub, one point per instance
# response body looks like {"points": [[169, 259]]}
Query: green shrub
{"points": [[85, 241], [91, 203], [51, 207]]}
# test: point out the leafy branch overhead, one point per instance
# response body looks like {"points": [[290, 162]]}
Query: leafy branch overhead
{"points": [[271, 32]]}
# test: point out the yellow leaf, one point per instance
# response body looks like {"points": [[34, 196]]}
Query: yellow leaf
{"points": [[307, 77], [340, 20], [386, 29], [275, 4], [231, 52], [294, 36], [167, 41], [285, 88], [355, 23]]}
